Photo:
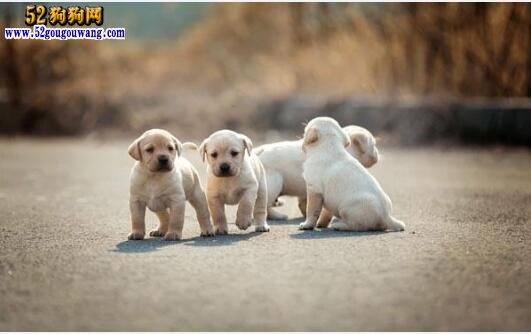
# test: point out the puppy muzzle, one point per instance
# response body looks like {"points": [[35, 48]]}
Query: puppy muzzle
{"points": [[163, 166], [224, 170]]}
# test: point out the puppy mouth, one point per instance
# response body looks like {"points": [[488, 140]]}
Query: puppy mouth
{"points": [[224, 174], [163, 168]]}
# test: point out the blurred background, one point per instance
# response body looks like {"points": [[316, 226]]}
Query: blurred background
{"points": [[416, 73]]}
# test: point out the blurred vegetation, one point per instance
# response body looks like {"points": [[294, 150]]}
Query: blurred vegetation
{"points": [[232, 66], [474, 49]]}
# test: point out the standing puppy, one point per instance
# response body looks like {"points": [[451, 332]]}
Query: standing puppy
{"points": [[163, 181], [235, 175], [339, 183], [283, 164]]}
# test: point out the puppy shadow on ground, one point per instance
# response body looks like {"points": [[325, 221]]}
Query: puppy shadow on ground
{"points": [[155, 244], [292, 221], [329, 233], [143, 246], [222, 240]]}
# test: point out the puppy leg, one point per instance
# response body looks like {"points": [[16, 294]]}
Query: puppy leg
{"points": [[164, 220], [138, 215], [315, 205], [199, 202], [244, 215], [175, 226], [274, 187], [302, 205], [260, 208], [361, 215], [324, 219], [217, 209]]}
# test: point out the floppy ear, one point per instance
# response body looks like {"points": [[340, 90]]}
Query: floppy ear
{"points": [[134, 149], [202, 149], [311, 136], [247, 144], [360, 142], [178, 145]]}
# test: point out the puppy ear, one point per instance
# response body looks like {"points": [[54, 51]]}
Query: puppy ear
{"points": [[311, 136], [202, 149], [178, 145], [247, 144], [360, 142], [134, 149]]}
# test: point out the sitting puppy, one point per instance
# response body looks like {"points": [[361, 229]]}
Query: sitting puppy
{"points": [[283, 164], [163, 181], [235, 175], [339, 183]]}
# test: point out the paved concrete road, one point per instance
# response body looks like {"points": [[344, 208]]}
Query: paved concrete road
{"points": [[464, 262]]}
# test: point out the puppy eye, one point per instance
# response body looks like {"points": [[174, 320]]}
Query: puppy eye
{"points": [[149, 150], [214, 155], [234, 153], [170, 148]]}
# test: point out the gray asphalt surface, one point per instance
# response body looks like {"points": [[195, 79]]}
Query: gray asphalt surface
{"points": [[463, 263]]}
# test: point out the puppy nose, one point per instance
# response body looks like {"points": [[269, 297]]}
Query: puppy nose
{"points": [[163, 159], [224, 167]]}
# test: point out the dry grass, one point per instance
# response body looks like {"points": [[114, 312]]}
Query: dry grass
{"points": [[243, 56]]}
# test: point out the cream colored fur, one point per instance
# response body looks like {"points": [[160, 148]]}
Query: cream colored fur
{"points": [[235, 175], [283, 164], [339, 183], [164, 188]]}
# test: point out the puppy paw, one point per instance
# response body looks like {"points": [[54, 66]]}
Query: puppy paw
{"points": [[278, 202], [136, 235], [339, 226], [172, 236], [157, 233], [305, 226], [243, 224], [207, 233], [262, 228], [221, 230]]}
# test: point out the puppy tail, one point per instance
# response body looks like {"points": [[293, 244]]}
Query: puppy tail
{"points": [[189, 145], [394, 224]]}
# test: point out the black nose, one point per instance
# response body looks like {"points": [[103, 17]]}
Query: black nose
{"points": [[163, 159], [224, 167]]}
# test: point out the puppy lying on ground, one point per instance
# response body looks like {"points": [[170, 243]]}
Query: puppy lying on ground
{"points": [[235, 175], [163, 181], [339, 183], [283, 164]]}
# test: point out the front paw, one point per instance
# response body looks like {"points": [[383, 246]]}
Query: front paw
{"points": [[306, 226], [136, 235], [221, 230], [172, 236], [243, 224], [262, 228], [207, 233], [157, 233]]}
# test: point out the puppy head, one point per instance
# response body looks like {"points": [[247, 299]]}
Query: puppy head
{"points": [[225, 152], [363, 145], [321, 131], [156, 150]]}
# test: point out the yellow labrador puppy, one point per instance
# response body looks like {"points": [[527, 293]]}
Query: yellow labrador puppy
{"points": [[283, 164], [163, 181], [235, 175], [339, 183]]}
